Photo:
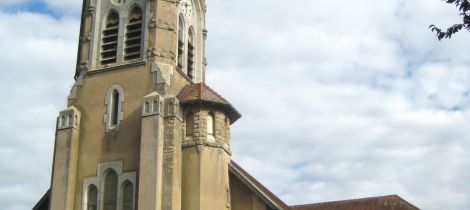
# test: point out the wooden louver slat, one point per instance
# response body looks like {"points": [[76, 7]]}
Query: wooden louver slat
{"points": [[109, 40], [133, 42]]}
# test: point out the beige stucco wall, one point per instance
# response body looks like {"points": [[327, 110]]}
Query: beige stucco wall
{"points": [[65, 168], [243, 198], [97, 145], [205, 178]]}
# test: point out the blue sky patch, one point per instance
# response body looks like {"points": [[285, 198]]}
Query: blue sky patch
{"points": [[34, 6]]}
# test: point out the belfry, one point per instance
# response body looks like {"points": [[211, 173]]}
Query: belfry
{"points": [[142, 129]]}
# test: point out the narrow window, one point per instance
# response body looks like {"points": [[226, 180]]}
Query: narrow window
{"points": [[180, 42], [155, 106], [109, 41], [115, 108], [190, 61], [92, 198], [63, 120], [171, 108], [110, 191], [189, 125], [134, 35], [147, 107], [128, 196], [210, 124], [70, 123]]}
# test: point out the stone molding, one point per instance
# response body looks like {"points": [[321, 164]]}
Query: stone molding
{"points": [[155, 104], [108, 105], [189, 144], [69, 118], [98, 182], [100, 11]]}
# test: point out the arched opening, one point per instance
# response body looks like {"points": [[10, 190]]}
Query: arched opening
{"points": [[155, 106], [110, 190], [171, 108], [63, 120], [70, 123], [189, 125], [115, 108], [128, 196], [191, 51], [92, 198], [210, 124], [109, 40], [147, 107], [134, 35], [180, 42]]}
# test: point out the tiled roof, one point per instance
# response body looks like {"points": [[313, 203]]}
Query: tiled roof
{"points": [[390, 202], [201, 93]]}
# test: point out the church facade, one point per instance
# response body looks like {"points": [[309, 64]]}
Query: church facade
{"points": [[142, 130]]}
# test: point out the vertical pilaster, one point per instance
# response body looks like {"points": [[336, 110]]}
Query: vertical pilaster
{"points": [[162, 42], [172, 155], [151, 153], [65, 160]]}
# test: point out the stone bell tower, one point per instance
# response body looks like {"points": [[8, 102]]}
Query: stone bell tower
{"points": [[141, 129]]}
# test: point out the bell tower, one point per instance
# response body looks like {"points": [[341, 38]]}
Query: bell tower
{"points": [[141, 129]]}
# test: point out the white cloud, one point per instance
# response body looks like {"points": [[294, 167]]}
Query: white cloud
{"points": [[353, 99], [66, 6], [37, 61], [11, 2]]}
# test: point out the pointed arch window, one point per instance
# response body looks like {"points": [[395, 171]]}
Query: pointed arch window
{"points": [[155, 106], [210, 124], [115, 108], [133, 48], [63, 121], [109, 40], [110, 191], [92, 198], [191, 51], [113, 102], [180, 42], [128, 196], [210, 120]]}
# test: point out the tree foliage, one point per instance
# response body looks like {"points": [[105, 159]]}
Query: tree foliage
{"points": [[464, 8]]}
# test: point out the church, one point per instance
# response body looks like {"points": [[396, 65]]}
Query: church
{"points": [[143, 130]]}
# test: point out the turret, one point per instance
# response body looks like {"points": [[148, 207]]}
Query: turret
{"points": [[206, 148]]}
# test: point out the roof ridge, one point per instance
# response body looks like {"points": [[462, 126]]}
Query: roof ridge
{"points": [[350, 200]]}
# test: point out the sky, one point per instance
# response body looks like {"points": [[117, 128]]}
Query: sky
{"points": [[340, 99]]}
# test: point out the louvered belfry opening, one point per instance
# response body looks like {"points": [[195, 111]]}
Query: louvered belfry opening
{"points": [[191, 50], [133, 48], [180, 43], [110, 39]]}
